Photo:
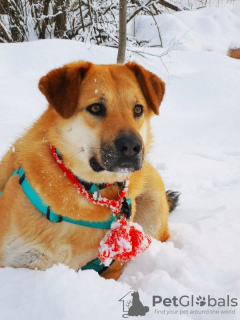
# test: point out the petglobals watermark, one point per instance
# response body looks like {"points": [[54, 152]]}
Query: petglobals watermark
{"points": [[133, 306], [192, 301], [201, 305]]}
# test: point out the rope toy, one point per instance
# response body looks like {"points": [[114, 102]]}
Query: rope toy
{"points": [[123, 242]]}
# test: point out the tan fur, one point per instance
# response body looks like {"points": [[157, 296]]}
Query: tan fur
{"points": [[234, 53], [27, 238]]}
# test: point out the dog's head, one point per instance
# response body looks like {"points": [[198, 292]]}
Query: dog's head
{"points": [[101, 116]]}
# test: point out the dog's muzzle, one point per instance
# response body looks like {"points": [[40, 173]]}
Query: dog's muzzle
{"points": [[124, 155], [128, 147]]}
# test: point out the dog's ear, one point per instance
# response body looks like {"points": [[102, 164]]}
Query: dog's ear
{"points": [[152, 87], [61, 87]]}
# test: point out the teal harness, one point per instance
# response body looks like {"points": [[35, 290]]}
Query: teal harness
{"points": [[34, 198], [46, 210]]}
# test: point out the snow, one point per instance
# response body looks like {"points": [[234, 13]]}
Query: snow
{"points": [[197, 4], [196, 149], [209, 29]]}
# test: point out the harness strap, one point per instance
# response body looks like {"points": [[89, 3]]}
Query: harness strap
{"points": [[30, 193], [96, 265], [54, 217]]}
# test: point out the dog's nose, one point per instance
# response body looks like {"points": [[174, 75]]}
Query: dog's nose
{"points": [[128, 145]]}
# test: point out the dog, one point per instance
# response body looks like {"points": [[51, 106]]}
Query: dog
{"points": [[98, 120]]}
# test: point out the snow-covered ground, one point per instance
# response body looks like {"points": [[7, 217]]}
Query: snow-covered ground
{"points": [[197, 4], [210, 29], [196, 150]]}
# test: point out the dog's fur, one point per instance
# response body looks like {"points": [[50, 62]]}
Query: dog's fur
{"points": [[27, 238]]}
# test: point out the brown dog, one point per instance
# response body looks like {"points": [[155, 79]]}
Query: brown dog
{"points": [[98, 118]]}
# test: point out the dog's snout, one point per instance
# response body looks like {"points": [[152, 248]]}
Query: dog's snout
{"points": [[125, 153], [128, 145]]}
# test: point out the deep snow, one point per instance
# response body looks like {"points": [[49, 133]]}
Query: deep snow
{"points": [[210, 29], [197, 151]]}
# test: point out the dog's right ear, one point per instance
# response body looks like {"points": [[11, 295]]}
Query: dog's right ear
{"points": [[61, 87], [151, 85]]}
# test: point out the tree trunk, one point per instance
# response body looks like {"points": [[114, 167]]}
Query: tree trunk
{"points": [[60, 19], [45, 21], [122, 31]]}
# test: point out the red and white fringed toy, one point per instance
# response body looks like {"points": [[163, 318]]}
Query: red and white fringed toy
{"points": [[125, 240]]}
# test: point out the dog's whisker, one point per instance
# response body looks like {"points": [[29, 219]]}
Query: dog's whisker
{"points": [[69, 130], [82, 149]]}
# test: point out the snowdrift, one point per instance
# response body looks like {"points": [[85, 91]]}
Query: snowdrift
{"points": [[209, 29]]}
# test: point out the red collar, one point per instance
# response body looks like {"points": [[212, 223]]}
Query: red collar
{"points": [[114, 205]]}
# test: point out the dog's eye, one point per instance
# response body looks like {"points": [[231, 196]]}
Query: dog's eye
{"points": [[138, 110], [97, 109]]}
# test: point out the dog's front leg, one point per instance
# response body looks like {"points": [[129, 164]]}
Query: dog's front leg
{"points": [[114, 271], [152, 207], [152, 211]]}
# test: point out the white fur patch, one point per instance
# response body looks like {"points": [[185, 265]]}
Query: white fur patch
{"points": [[18, 253], [82, 142], [144, 131], [80, 139]]}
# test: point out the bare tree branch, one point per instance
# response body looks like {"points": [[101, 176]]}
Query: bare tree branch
{"points": [[80, 8], [159, 33], [96, 21], [169, 5], [138, 10]]}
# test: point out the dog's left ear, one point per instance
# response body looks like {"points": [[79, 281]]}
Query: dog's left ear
{"points": [[152, 87], [61, 87]]}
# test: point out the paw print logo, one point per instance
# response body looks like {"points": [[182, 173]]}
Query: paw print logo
{"points": [[201, 301]]}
